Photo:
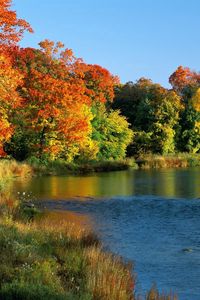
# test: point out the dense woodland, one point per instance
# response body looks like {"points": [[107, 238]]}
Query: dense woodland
{"points": [[55, 106]]}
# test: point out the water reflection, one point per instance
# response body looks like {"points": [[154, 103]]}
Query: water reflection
{"points": [[166, 183]]}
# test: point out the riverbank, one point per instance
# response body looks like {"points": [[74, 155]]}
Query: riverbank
{"points": [[43, 259], [150, 161], [60, 167], [11, 168]]}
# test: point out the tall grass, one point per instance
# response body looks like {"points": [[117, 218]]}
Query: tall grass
{"points": [[12, 168], [42, 262], [154, 294], [180, 160], [108, 276]]}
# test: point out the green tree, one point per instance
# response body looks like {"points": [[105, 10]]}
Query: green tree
{"points": [[153, 112], [111, 131]]}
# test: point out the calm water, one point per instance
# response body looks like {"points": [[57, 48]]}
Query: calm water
{"points": [[149, 217]]}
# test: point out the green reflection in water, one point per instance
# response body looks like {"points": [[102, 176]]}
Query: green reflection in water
{"points": [[175, 183]]}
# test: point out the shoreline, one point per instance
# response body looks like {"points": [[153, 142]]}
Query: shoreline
{"points": [[24, 229], [10, 168]]}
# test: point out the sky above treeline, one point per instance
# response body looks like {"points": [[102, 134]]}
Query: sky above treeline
{"points": [[131, 38]]}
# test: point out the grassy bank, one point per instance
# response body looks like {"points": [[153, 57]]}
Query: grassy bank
{"points": [[60, 167], [45, 260], [39, 261], [42, 258], [34, 166], [180, 160], [150, 161]]}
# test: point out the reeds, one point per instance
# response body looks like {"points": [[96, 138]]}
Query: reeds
{"points": [[108, 277], [12, 168], [179, 160]]}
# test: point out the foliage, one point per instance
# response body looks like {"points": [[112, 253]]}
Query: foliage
{"points": [[154, 113], [9, 98], [11, 28], [78, 112], [183, 78], [111, 131]]}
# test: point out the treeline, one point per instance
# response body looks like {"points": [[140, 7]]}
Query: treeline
{"points": [[55, 106], [163, 120]]}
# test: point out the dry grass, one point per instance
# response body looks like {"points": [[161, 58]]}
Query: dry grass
{"points": [[181, 160], [12, 168], [108, 277], [154, 294]]}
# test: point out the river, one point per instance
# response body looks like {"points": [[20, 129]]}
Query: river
{"points": [[151, 217]]}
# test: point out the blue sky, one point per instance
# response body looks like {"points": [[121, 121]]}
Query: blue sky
{"points": [[131, 38]]}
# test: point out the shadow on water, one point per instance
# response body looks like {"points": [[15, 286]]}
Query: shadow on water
{"points": [[149, 217]]}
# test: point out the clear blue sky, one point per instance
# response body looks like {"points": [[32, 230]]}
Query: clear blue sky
{"points": [[131, 38]]}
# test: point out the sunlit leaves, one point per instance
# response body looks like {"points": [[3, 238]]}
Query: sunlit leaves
{"points": [[10, 79], [195, 100], [54, 101], [11, 28], [111, 131], [183, 78]]}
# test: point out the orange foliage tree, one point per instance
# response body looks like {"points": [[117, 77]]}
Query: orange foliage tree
{"points": [[11, 28], [56, 107], [10, 79], [182, 78], [100, 83]]}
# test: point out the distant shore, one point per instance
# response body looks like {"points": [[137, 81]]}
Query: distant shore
{"points": [[12, 168]]}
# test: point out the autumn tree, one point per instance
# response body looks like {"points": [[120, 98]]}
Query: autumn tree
{"points": [[10, 80], [11, 28], [187, 84], [99, 83], [183, 81], [55, 111]]}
